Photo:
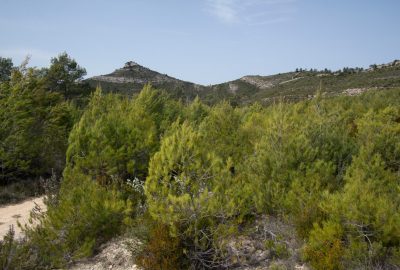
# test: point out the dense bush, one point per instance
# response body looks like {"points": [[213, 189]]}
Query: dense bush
{"points": [[85, 216], [102, 189], [295, 160], [35, 121], [105, 145], [116, 136], [34, 127], [328, 166], [162, 251], [367, 209], [182, 187]]}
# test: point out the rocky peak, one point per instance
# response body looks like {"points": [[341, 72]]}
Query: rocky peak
{"points": [[132, 72], [130, 64]]}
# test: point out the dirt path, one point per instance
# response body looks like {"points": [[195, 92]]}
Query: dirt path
{"points": [[9, 215]]}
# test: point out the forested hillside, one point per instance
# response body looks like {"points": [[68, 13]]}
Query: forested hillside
{"points": [[294, 86], [187, 178], [302, 84]]}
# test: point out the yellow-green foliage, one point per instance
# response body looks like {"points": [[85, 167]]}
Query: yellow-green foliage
{"points": [[329, 166], [113, 139], [222, 131], [196, 172], [368, 207], [302, 146], [298, 160], [195, 111], [111, 144], [86, 215], [325, 248], [305, 194], [192, 189], [159, 106], [183, 176], [162, 251]]}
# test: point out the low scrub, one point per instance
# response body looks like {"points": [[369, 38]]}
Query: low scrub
{"points": [[85, 215], [329, 167]]}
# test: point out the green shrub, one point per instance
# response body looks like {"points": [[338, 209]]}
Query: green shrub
{"points": [[34, 127], [278, 249], [192, 190], [7, 251], [367, 209], [325, 248], [85, 216], [113, 140], [306, 191], [162, 251], [329, 166]]}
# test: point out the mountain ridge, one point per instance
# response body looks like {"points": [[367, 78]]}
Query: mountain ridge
{"points": [[291, 86]]}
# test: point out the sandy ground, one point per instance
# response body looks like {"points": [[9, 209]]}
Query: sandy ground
{"points": [[114, 254], [9, 215]]}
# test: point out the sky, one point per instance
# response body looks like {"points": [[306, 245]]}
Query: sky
{"points": [[203, 41]]}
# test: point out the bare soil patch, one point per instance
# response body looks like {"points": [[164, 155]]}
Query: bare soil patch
{"points": [[10, 214]]}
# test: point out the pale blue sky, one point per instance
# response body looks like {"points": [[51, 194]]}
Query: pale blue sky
{"points": [[204, 41]]}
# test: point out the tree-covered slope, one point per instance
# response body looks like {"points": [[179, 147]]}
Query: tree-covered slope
{"points": [[291, 86], [303, 84]]}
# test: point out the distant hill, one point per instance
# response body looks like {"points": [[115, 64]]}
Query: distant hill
{"points": [[131, 78], [291, 86]]}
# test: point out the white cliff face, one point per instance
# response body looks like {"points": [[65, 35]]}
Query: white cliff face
{"points": [[258, 81], [119, 79]]}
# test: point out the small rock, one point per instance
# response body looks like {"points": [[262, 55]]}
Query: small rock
{"points": [[262, 255]]}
